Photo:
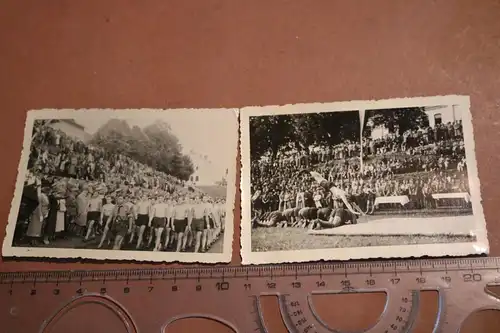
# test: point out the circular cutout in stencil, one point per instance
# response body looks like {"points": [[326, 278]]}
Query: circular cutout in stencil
{"points": [[92, 313]]}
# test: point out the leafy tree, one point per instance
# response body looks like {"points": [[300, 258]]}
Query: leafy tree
{"points": [[115, 142], [402, 118], [326, 128], [159, 149], [269, 133], [186, 169]]}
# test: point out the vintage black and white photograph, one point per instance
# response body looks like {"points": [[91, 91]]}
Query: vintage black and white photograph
{"points": [[352, 180], [154, 185]]}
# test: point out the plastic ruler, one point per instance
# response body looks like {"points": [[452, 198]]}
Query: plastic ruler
{"points": [[147, 300]]}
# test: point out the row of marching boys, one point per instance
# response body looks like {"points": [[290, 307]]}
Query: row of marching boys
{"points": [[158, 223]]}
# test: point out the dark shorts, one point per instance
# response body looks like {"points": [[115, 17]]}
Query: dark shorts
{"points": [[159, 222], [119, 227], [211, 222], [142, 219], [180, 225], [340, 212], [344, 215], [93, 216], [198, 225]]}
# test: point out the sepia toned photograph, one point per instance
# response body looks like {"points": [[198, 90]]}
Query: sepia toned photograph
{"points": [[361, 179], [153, 185]]}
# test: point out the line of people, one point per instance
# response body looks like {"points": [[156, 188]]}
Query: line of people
{"points": [[64, 212], [160, 224]]}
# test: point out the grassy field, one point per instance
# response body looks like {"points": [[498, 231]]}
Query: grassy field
{"points": [[279, 239], [214, 191]]}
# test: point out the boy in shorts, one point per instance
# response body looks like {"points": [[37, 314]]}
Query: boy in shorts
{"points": [[119, 224]]}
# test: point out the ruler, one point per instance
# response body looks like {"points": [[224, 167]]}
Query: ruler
{"points": [[148, 300]]}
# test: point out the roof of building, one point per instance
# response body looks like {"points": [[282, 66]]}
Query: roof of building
{"points": [[73, 122]]}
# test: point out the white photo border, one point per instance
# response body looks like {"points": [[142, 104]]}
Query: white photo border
{"points": [[126, 255], [480, 246]]}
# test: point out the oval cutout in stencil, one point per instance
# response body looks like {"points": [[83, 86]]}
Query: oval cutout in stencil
{"points": [[92, 313], [366, 307], [198, 323], [482, 321]]}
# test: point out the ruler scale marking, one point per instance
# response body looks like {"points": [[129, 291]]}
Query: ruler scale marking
{"points": [[297, 281], [139, 278]]}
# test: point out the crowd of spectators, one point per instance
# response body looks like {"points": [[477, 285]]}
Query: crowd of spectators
{"points": [[56, 154], [64, 174], [414, 140], [417, 163]]}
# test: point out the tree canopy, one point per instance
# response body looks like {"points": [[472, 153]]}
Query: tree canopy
{"points": [[269, 133], [402, 118], [158, 149]]}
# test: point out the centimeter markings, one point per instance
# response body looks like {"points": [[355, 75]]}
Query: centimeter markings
{"points": [[393, 267]]}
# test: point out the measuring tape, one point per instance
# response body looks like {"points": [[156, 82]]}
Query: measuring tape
{"points": [[148, 300]]}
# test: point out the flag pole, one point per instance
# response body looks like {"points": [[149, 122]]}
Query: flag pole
{"points": [[362, 124]]}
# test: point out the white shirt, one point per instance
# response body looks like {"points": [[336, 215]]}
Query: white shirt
{"points": [[169, 209], [62, 205], [107, 209], [143, 207], [129, 205], [160, 210], [201, 210], [220, 208], [179, 212], [95, 204]]}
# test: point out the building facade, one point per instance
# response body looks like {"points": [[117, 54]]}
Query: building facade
{"points": [[435, 115], [205, 171], [442, 114], [72, 129]]}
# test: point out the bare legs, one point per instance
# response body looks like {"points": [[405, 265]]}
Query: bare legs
{"points": [[90, 228], [150, 235], [118, 242], [132, 234], [180, 241], [200, 239], [140, 237], [158, 232], [104, 235], [167, 237]]}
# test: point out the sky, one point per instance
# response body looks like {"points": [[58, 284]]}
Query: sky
{"points": [[206, 132]]}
